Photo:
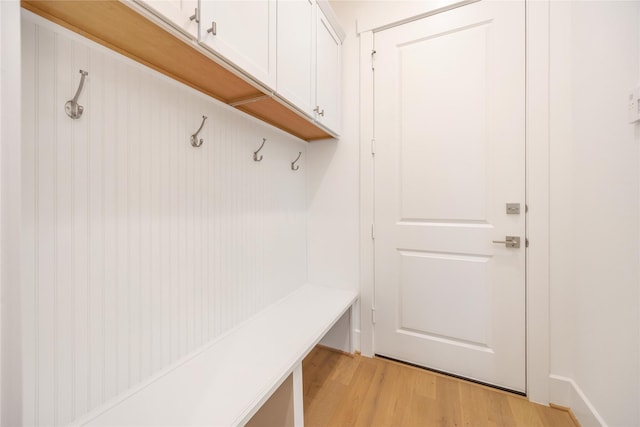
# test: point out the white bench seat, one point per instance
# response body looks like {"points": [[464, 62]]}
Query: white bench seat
{"points": [[226, 383]]}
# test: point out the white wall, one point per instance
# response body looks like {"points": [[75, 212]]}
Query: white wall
{"points": [[594, 206], [138, 248], [333, 212], [10, 98]]}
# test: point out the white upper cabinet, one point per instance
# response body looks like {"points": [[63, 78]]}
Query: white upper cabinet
{"points": [[243, 33], [296, 53], [328, 72], [290, 48], [179, 13]]}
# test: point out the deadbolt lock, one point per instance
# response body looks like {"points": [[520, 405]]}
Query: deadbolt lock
{"points": [[513, 208]]}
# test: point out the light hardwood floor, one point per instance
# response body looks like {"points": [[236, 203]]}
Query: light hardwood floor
{"points": [[345, 390]]}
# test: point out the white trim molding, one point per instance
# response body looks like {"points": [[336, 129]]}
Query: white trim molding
{"points": [[366, 195], [565, 392], [410, 11], [537, 165]]}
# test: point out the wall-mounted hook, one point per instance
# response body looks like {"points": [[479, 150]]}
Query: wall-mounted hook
{"points": [[295, 167], [255, 153], [71, 107], [194, 137]]}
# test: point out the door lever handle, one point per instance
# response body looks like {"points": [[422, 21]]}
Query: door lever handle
{"points": [[510, 242]]}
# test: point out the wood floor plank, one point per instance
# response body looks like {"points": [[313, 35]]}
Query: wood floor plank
{"points": [[473, 404], [423, 383], [316, 369], [342, 390], [371, 400], [448, 397], [554, 417], [499, 409], [345, 369], [524, 412], [391, 404], [419, 411], [350, 406]]}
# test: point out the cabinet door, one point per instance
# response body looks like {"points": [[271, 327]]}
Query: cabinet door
{"points": [[176, 12], [244, 33], [296, 53], [328, 73]]}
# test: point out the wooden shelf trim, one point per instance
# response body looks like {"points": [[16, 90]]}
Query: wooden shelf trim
{"points": [[120, 28]]}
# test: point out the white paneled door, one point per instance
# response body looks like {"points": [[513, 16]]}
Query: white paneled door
{"points": [[450, 129]]}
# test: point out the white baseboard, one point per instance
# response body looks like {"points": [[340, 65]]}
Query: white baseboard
{"points": [[564, 391]]}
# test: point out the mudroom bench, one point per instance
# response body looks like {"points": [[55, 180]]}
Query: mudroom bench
{"points": [[250, 376]]}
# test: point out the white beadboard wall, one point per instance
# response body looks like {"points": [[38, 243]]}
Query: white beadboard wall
{"points": [[138, 248]]}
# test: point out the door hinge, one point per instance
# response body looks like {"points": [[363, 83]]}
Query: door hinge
{"points": [[373, 232], [373, 315], [373, 147], [526, 243], [526, 208], [373, 59]]}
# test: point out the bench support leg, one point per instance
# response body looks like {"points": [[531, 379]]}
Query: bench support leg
{"points": [[298, 404]]}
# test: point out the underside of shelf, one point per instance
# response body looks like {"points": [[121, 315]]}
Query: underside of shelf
{"points": [[271, 111], [120, 28]]}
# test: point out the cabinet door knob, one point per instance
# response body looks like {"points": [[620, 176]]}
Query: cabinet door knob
{"points": [[317, 110], [214, 28], [195, 16]]}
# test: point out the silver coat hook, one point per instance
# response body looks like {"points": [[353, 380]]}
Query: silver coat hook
{"points": [[194, 137], [295, 167], [255, 153], [71, 107]]}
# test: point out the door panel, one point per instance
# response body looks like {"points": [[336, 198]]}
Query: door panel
{"points": [[449, 128], [328, 51], [430, 289], [245, 35], [295, 53], [453, 89]]}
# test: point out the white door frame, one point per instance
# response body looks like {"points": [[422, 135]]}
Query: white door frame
{"points": [[537, 197]]}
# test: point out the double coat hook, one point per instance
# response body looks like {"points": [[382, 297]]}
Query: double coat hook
{"points": [[295, 167], [194, 137], [255, 153], [71, 107]]}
